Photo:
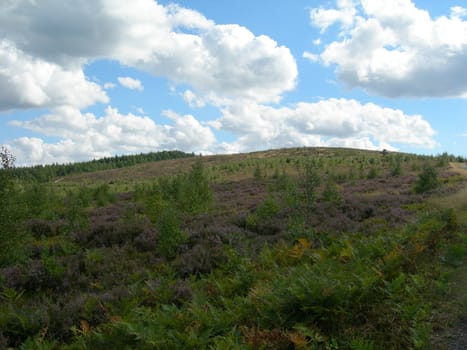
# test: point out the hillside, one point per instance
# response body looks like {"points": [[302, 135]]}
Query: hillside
{"points": [[310, 248]]}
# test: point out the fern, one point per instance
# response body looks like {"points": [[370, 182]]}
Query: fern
{"points": [[362, 344]]}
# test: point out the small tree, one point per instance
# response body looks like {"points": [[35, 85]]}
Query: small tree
{"points": [[427, 180], [196, 191], [311, 181], [171, 236], [11, 212]]}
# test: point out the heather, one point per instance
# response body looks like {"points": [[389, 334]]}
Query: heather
{"points": [[296, 248]]}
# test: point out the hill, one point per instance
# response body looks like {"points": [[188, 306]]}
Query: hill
{"points": [[311, 248]]}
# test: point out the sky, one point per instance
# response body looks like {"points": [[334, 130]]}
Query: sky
{"points": [[87, 79]]}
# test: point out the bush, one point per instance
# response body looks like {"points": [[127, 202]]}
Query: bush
{"points": [[427, 180], [331, 193], [171, 237], [102, 195], [189, 193], [372, 173], [41, 228], [12, 211]]}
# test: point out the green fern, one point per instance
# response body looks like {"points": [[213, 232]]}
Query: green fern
{"points": [[362, 344]]}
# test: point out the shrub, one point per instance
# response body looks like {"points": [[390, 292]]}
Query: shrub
{"points": [[171, 237], [41, 228], [331, 193], [197, 193], [427, 180], [396, 168], [268, 209], [372, 173], [12, 237], [258, 174], [310, 182], [201, 259], [102, 195]]}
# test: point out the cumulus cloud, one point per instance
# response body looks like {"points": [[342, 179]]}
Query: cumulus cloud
{"points": [[86, 136], [130, 83], [47, 44], [218, 61], [394, 49], [457, 11], [344, 14], [28, 82], [193, 100], [333, 122]]}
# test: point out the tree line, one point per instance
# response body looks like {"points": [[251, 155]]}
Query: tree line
{"points": [[43, 173]]}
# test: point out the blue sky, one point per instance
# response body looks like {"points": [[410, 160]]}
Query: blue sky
{"points": [[87, 79]]}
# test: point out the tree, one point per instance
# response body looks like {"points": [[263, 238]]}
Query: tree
{"points": [[11, 209], [311, 181], [427, 180], [6, 158], [196, 192]]}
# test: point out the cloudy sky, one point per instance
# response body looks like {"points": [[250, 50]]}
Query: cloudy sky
{"points": [[85, 79]]}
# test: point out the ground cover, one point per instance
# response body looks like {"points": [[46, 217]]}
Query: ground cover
{"points": [[294, 248]]}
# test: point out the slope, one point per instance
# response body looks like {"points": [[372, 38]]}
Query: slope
{"points": [[307, 248]]}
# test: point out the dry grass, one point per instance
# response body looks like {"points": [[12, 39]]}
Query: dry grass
{"points": [[457, 200]]}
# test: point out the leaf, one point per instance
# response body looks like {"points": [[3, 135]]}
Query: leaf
{"points": [[299, 248], [346, 254], [298, 339], [84, 326]]}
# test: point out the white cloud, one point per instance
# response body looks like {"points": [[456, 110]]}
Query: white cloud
{"points": [[394, 49], [187, 133], [344, 14], [130, 83], [51, 43], [193, 100], [310, 56], [109, 86], [48, 44], [28, 82], [333, 122], [458, 12], [86, 136], [218, 61]]}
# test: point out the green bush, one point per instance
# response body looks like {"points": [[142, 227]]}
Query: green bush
{"points": [[310, 181], [396, 166], [372, 173], [196, 191], [427, 180], [190, 193], [102, 195], [331, 193], [12, 211], [171, 237]]}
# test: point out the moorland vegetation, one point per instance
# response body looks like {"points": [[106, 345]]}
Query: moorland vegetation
{"points": [[304, 248]]}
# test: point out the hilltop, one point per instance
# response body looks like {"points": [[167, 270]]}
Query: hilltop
{"points": [[313, 248]]}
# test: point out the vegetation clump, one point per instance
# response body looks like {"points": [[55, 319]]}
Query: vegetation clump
{"points": [[427, 180]]}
